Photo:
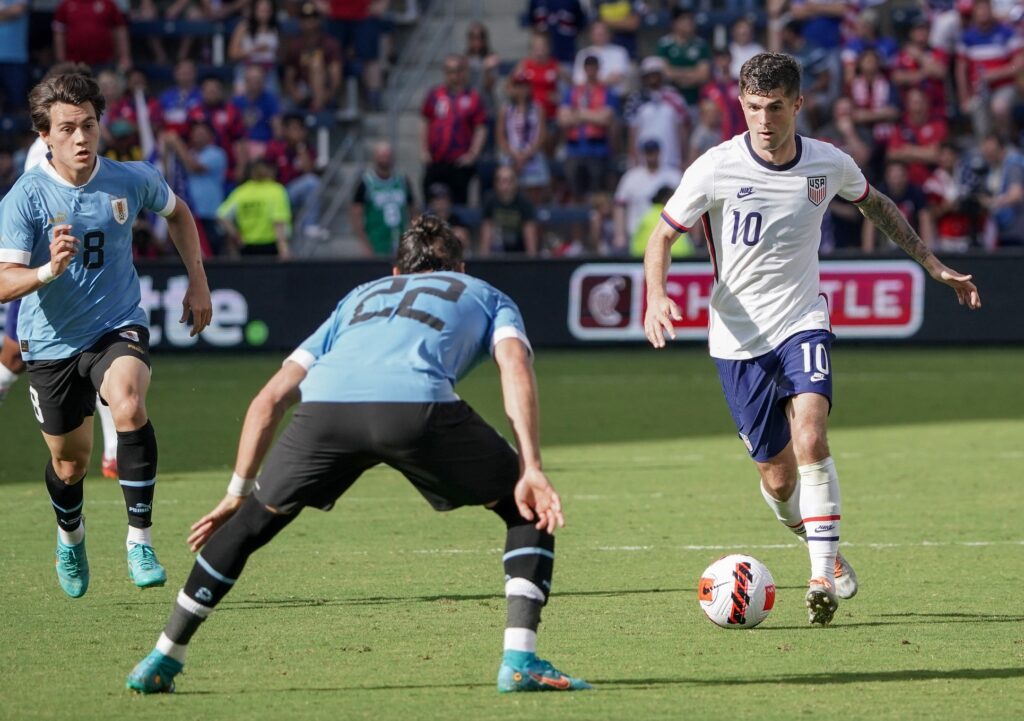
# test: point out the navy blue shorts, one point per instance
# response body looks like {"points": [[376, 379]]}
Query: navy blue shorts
{"points": [[11, 321], [756, 388]]}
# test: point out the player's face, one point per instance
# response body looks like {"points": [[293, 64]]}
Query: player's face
{"points": [[771, 118], [74, 137]]}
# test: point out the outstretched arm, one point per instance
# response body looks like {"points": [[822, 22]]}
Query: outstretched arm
{"points": [[181, 226], [265, 412], [534, 494], [880, 210], [661, 310]]}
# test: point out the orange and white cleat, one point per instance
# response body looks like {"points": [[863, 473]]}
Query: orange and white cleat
{"points": [[821, 601], [846, 578], [109, 467]]}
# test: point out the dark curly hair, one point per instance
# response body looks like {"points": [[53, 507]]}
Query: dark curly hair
{"points": [[766, 72], [428, 245], [73, 88]]}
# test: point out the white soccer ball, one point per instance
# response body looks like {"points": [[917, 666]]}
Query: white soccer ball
{"points": [[736, 591]]}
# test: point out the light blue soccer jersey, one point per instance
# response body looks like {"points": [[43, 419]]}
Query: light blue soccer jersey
{"points": [[100, 289], [406, 339]]}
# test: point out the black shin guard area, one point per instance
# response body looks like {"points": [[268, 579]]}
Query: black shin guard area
{"points": [[523, 613], [136, 466], [182, 625], [67, 499], [220, 563], [530, 554]]}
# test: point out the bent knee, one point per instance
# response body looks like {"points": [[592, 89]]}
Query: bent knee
{"points": [[71, 470], [810, 444]]}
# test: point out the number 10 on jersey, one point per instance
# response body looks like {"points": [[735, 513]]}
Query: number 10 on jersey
{"points": [[751, 227]]}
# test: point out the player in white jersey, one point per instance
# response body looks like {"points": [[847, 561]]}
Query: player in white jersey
{"points": [[65, 250], [761, 197]]}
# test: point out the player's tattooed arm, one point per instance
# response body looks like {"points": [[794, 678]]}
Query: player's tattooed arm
{"points": [[880, 210]]}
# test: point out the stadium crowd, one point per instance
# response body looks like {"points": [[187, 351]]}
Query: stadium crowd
{"points": [[571, 149]]}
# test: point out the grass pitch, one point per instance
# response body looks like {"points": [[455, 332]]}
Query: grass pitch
{"points": [[383, 609]]}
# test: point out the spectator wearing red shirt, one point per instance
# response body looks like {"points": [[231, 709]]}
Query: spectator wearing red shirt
{"points": [[916, 139], [542, 71], [989, 58], [910, 200], [357, 25], [874, 98], [295, 166], [94, 32], [454, 131], [312, 64], [226, 121], [588, 116], [954, 225], [918, 65], [133, 108]]}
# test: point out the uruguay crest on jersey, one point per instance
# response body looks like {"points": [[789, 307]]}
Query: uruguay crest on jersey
{"points": [[120, 206]]}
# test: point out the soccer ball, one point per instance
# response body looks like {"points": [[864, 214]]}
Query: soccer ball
{"points": [[736, 591]]}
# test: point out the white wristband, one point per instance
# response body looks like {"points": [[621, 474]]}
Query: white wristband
{"points": [[45, 274], [239, 486]]}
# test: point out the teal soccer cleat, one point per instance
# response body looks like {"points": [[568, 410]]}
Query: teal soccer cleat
{"points": [[143, 568], [72, 568], [154, 674], [535, 674]]}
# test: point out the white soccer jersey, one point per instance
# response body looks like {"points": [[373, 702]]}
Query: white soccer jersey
{"points": [[763, 223]]}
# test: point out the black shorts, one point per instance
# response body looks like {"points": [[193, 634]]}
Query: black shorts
{"points": [[63, 391], [448, 452]]}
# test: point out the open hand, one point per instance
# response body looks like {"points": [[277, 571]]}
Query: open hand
{"points": [[658, 320], [966, 291], [205, 526], [537, 500]]}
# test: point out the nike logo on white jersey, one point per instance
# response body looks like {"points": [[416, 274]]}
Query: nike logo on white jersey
{"points": [[744, 192]]}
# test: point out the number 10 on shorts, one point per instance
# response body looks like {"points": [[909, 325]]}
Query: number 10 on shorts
{"points": [[817, 353]]}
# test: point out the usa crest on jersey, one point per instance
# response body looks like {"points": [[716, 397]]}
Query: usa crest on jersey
{"points": [[120, 207], [816, 189]]}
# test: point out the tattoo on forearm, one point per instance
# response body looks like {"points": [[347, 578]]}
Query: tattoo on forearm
{"points": [[880, 210]]}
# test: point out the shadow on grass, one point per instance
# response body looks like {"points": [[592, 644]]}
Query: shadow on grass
{"points": [[916, 619], [957, 674]]}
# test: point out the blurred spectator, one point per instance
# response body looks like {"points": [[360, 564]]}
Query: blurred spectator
{"points": [[137, 117], [226, 121], [563, 20], [708, 132], [176, 102], [147, 10], [918, 65], [295, 168], [509, 219], [357, 26], [94, 32], [312, 64], [122, 142], [874, 97], [909, 199], [843, 221], [742, 46], [865, 37], [380, 208], [822, 20], [482, 65], [623, 18], [260, 112], [635, 191], [8, 170], [613, 59], [724, 92], [453, 131], [1003, 193], [916, 138], [207, 167], [521, 130], [688, 56], [13, 55], [946, 20], [656, 112], [682, 248], [439, 203], [989, 57], [587, 116], [954, 226], [602, 223], [822, 78], [256, 41], [541, 72], [256, 215]]}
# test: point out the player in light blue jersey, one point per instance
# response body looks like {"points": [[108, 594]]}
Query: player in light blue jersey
{"points": [[66, 251], [376, 384]]}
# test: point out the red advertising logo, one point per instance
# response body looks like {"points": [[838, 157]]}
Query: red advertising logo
{"points": [[866, 299]]}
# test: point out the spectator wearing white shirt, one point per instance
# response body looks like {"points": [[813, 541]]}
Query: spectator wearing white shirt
{"points": [[614, 60], [742, 46], [635, 191], [657, 112]]}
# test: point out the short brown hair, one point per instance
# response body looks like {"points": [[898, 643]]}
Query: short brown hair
{"points": [[428, 245], [766, 72], [73, 88]]}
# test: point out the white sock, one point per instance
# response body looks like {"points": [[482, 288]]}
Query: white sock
{"points": [[72, 538], [7, 378], [819, 504], [168, 647], [109, 430], [138, 537], [787, 511], [521, 639]]}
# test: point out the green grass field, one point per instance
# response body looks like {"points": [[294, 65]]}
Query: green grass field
{"points": [[383, 609]]}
